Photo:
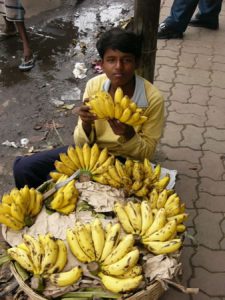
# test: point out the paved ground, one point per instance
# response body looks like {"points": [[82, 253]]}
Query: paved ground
{"points": [[191, 74]]}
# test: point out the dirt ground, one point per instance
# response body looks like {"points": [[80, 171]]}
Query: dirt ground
{"points": [[37, 105]]}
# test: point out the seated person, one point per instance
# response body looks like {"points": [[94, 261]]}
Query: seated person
{"points": [[120, 52]]}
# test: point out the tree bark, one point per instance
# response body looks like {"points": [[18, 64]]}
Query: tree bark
{"points": [[146, 20]]}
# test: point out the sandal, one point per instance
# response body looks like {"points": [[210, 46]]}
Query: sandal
{"points": [[27, 65]]}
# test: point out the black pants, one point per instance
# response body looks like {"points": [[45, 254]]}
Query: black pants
{"points": [[34, 170]]}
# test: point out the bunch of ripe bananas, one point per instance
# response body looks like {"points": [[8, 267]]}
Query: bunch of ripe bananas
{"points": [[121, 108], [88, 159], [136, 178], [113, 258], [19, 207], [158, 229], [65, 199], [45, 257]]}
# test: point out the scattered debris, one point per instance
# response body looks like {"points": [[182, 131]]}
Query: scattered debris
{"points": [[80, 70]]}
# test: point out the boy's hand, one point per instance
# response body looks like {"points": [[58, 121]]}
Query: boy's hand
{"points": [[86, 116], [122, 129]]}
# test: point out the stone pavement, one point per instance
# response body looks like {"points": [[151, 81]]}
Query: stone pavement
{"points": [[191, 74]]}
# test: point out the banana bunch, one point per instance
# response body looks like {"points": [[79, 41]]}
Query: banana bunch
{"points": [[171, 202], [90, 160], [65, 199], [157, 232], [121, 108], [19, 207], [111, 257]]}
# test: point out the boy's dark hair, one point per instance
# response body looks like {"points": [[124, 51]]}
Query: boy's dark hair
{"points": [[119, 39]]}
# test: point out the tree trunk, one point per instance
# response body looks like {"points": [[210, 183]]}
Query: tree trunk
{"points": [[146, 20]]}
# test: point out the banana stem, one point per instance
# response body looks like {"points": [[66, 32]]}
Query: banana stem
{"points": [[93, 267], [37, 283]]}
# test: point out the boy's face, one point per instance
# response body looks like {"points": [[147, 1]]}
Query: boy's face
{"points": [[119, 67]]}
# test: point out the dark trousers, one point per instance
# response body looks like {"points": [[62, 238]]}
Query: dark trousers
{"points": [[33, 170], [182, 11]]}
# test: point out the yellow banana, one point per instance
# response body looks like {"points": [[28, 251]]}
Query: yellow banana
{"points": [[121, 266], [118, 95], [143, 191], [125, 101], [98, 237], [137, 185], [16, 212], [118, 111], [114, 174], [72, 154], [179, 218], [95, 152], [100, 179], [57, 200], [134, 216], [119, 285], [129, 167], [164, 233], [133, 106], [125, 245], [61, 258], [21, 256], [134, 118], [181, 228], [146, 217], [7, 199], [10, 222], [35, 250], [55, 176], [36, 208], [66, 278], [125, 115], [66, 210], [156, 173], [62, 168], [153, 198], [101, 159], [148, 171], [85, 240], [5, 208], [64, 158], [87, 155], [80, 155], [50, 247], [171, 200], [111, 240], [75, 247], [104, 167], [161, 201], [162, 183], [109, 107], [158, 222], [120, 169], [96, 107], [132, 272], [164, 247], [138, 171], [123, 218]]}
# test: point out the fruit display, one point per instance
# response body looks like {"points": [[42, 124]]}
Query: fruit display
{"points": [[121, 108], [108, 255], [157, 228], [19, 208], [65, 199]]}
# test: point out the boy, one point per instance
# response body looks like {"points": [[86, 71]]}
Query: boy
{"points": [[120, 52]]}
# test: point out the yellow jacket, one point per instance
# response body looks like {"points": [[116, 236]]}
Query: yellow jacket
{"points": [[143, 143]]}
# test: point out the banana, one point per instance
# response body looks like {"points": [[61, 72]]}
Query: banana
{"points": [[170, 200], [96, 106], [114, 174], [98, 237], [134, 118], [133, 106], [129, 167], [66, 278], [95, 152], [125, 101], [158, 223], [179, 218], [148, 171], [125, 115], [55, 176], [72, 154], [125, 245], [57, 200], [7, 199], [174, 208], [61, 258], [64, 158], [85, 240], [142, 120], [153, 198], [161, 201], [138, 171], [111, 240], [134, 216], [36, 208], [51, 249], [24, 247], [123, 218], [87, 155], [104, 167], [163, 234], [66, 210], [80, 156], [35, 251], [182, 207], [32, 200], [132, 272], [143, 191], [75, 247], [118, 95], [21, 256], [118, 111], [164, 247], [111, 181], [100, 179], [146, 217], [121, 266], [181, 228], [101, 159], [109, 106], [11, 222], [156, 173], [5, 208], [119, 285], [62, 168], [120, 169], [19, 200], [137, 185], [162, 183]]}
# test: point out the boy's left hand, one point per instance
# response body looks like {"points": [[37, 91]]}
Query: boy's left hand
{"points": [[122, 129]]}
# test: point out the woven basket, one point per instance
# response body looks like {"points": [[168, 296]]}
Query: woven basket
{"points": [[152, 292]]}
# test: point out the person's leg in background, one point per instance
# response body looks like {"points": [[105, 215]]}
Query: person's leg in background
{"points": [[176, 23], [33, 170], [208, 14]]}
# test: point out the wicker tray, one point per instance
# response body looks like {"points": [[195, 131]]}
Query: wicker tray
{"points": [[152, 292]]}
